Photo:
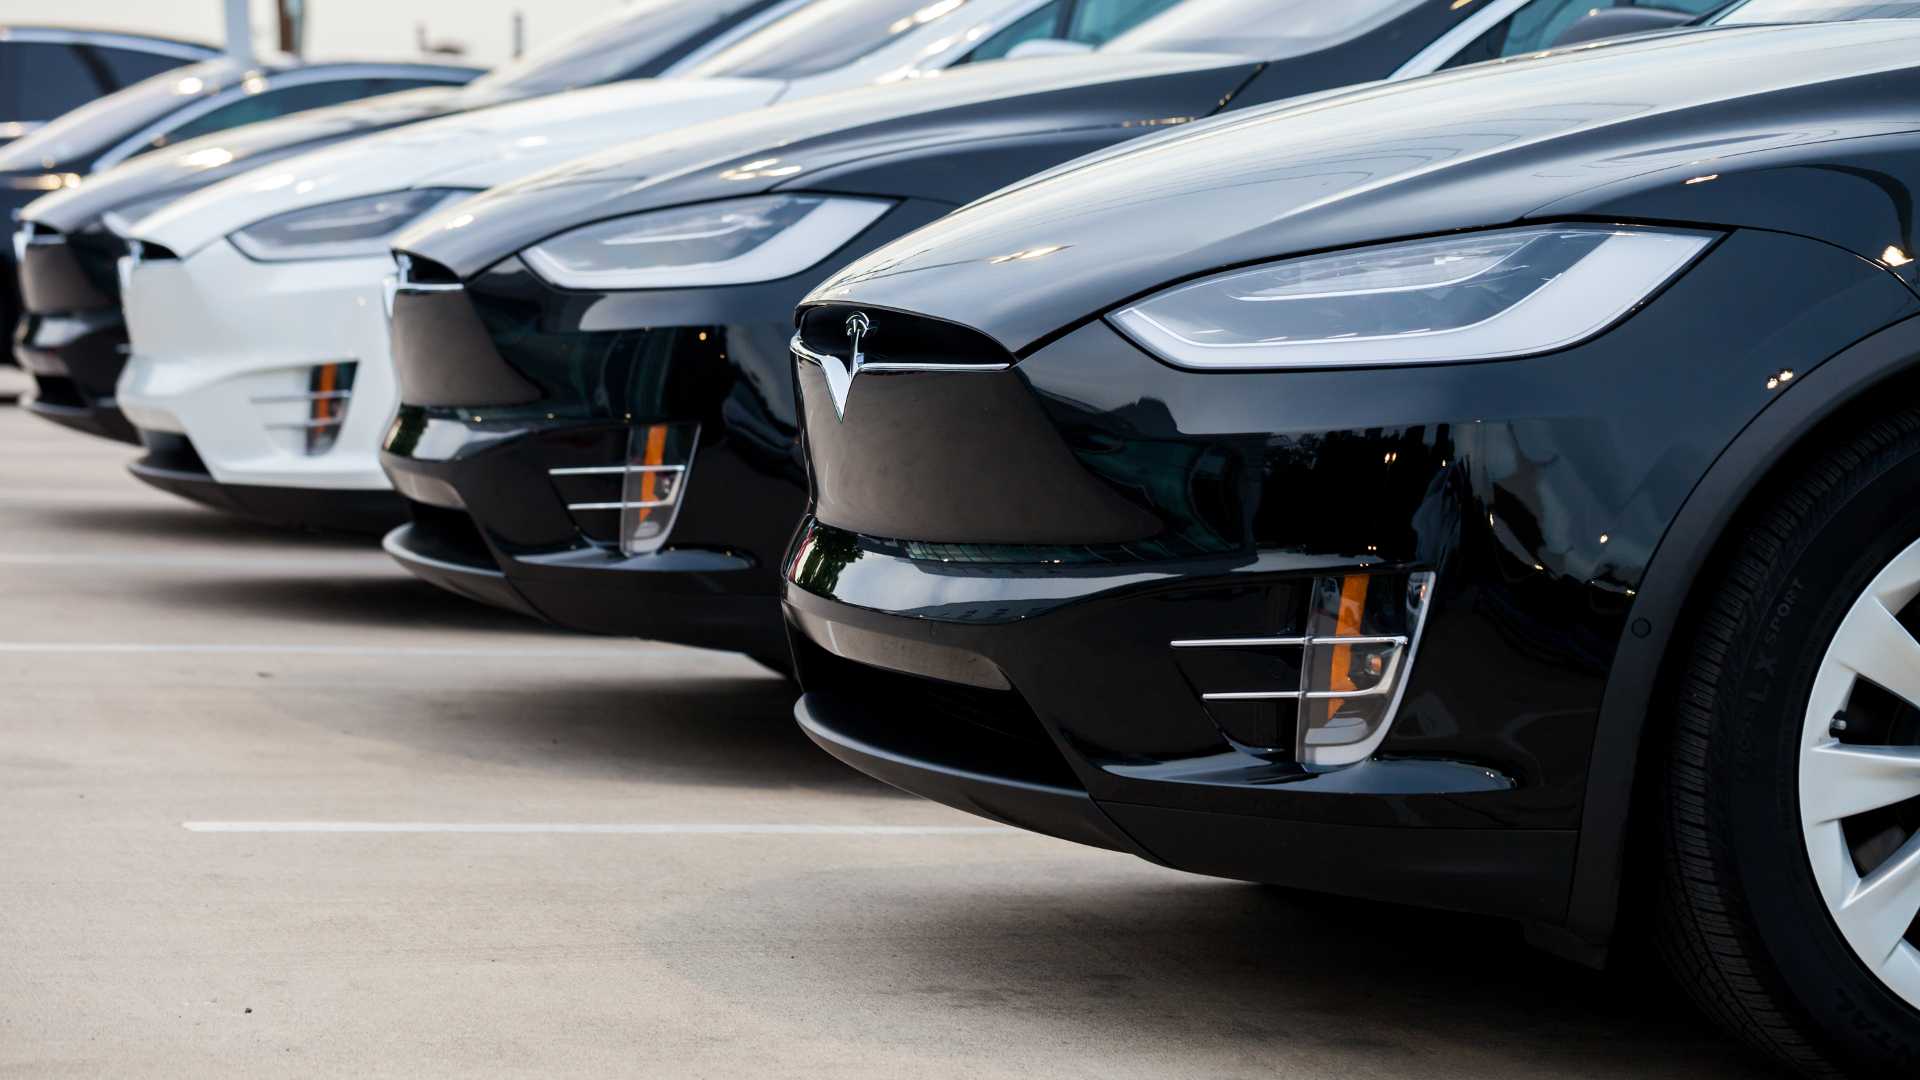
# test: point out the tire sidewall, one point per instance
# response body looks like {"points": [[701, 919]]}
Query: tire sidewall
{"points": [[1755, 764]]}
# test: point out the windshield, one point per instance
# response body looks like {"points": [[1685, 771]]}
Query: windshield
{"points": [[83, 134], [1787, 11], [1266, 29], [821, 36], [628, 43]]}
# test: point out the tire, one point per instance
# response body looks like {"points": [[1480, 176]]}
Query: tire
{"points": [[1774, 949]]}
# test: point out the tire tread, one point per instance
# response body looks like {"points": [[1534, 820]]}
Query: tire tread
{"points": [[1703, 928]]}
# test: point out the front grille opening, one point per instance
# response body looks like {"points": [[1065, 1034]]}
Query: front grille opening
{"points": [[172, 452], [59, 392], [152, 252], [98, 254], [415, 270], [448, 536], [991, 732]]}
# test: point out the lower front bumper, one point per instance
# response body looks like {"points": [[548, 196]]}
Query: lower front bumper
{"points": [[689, 597], [489, 521], [172, 466], [1518, 874], [75, 361], [279, 373], [1047, 696]]}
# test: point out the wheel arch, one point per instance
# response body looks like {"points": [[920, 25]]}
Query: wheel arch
{"points": [[1820, 402]]}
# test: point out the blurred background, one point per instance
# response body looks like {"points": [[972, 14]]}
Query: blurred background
{"points": [[483, 32]]}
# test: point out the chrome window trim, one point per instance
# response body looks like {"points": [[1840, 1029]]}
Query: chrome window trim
{"points": [[1448, 45]]}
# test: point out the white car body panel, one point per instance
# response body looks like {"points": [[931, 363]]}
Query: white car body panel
{"points": [[233, 376], [214, 332], [477, 150]]}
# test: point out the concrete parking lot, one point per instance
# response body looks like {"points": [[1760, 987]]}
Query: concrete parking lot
{"points": [[235, 767]]}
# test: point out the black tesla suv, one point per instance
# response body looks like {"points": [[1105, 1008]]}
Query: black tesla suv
{"points": [[1497, 491], [597, 421]]}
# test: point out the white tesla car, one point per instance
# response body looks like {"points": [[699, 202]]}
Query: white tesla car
{"points": [[260, 379]]}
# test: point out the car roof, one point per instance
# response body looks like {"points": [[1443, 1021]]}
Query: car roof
{"points": [[91, 35]]}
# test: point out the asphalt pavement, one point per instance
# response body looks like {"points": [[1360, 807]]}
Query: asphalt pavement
{"points": [[269, 807]]}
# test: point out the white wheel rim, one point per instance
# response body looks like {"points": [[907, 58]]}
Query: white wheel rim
{"points": [[1839, 781]]}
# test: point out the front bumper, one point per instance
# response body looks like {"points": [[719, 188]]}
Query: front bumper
{"points": [[489, 521], [521, 403], [1047, 697], [1187, 506], [76, 361], [225, 352], [172, 465], [71, 336]]}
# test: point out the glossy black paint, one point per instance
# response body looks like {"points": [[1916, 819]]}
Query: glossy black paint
{"points": [[71, 337], [1612, 130], [559, 385], [566, 360], [1565, 501], [110, 60], [37, 102]]}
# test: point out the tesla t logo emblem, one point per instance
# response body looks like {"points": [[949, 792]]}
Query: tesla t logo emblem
{"points": [[840, 377]]}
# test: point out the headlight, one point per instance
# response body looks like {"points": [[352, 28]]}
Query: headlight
{"points": [[1515, 292], [353, 228], [735, 242]]}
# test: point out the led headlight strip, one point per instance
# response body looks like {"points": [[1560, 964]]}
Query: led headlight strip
{"points": [[730, 242], [1479, 296]]}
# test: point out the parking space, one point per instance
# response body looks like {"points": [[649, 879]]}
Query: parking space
{"points": [[269, 807]]}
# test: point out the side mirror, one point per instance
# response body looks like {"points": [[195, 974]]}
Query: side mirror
{"points": [[1047, 47], [1619, 21]]}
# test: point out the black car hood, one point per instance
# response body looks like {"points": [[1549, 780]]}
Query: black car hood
{"points": [[815, 144], [197, 163], [1612, 130]]}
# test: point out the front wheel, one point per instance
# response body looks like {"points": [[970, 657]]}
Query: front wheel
{"points": [[1790, 817]]}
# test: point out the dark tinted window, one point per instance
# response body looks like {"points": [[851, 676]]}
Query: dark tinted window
{"points": [[636, 41], [1036, 25], [1266, 29], [48, 80], [128, 66], [1096, 22], [1090, 22], [271, 103], [1763, 11], [1538, 25], [822, 36]]}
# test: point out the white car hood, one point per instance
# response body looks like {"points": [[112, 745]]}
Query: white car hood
{"points": [[472, 150]]}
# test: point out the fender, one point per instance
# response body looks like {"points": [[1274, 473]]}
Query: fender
{"points": [[1659, 615]]}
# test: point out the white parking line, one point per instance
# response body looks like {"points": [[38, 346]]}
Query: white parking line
{"points": [[84, 648], [604, 830], [135, 498], [369, 562]]}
